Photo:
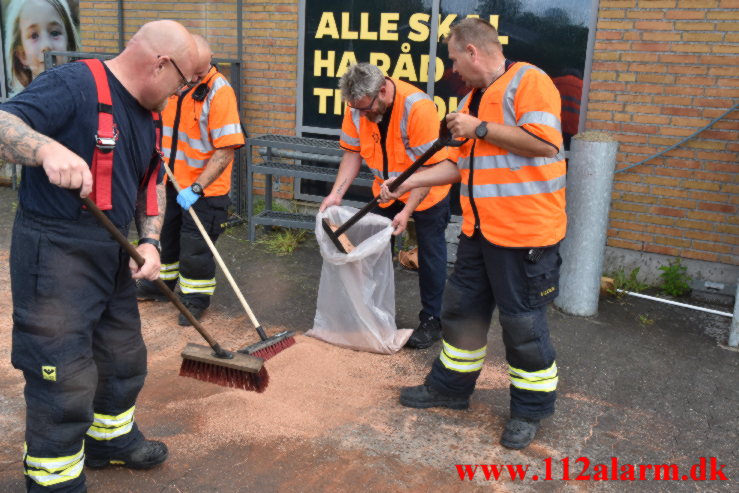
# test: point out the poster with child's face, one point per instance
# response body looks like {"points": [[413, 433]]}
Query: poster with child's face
{"points": [[30, 28]]}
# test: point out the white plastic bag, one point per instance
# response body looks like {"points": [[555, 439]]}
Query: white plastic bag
{"points": [[356, 295]]}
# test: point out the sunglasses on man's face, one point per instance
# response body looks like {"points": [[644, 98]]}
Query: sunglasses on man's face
{"points": [[365, 108], [185, 82]]}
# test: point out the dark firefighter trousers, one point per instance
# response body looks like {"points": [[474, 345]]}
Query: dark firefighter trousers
{"points": [[486, 276], [185, 254], [77, 340]]}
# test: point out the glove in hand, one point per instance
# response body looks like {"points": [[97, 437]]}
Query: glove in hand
{"points": [[186, 198]]}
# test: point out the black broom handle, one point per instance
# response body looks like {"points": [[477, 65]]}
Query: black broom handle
{"points": [[131, 250], [435, 147]]}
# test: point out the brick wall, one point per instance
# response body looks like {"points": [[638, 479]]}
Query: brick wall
{"points": [[269, 70], [662, 69]]}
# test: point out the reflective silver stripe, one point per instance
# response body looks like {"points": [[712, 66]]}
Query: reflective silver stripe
{"points": [[405, 117], [541, 117], [547, 386], [108, 434], [419, 150], [513, 162], [356, 116], [52, 464], [189, 286], [106, 427], [230, 129], [534, 375], [350, 140], [509, 95], [541, 381], [390, 174], [181, 156], [515, 189], [48, 479], [110, 421], [205, 143], [99, 433], [463, 162], [464, 100], [457, 353], [459, 366], [169, 272], [195, 144]]}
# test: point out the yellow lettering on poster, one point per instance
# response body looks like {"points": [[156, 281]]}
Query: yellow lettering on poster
{"points": [[425, 67], [338, 103], [382, 60], [327, 26], [346, 32], [419, 24], [323, 63], [443, 108], [364, 30], [347, 59], [445, 24], [323, 95], [389, 26]]}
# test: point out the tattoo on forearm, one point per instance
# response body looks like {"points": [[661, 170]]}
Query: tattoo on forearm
{"points": [[217, 163], [150, 226], [19, 143], [341, 187]]}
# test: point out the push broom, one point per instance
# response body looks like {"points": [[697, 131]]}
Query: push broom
{"points": [[267, 346], [214, 364]]}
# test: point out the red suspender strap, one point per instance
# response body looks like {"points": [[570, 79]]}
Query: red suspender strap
{"points": [[102, 159], [152, 208]]}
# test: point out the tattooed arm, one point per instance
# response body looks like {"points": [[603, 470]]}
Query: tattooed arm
{"points": [[216, 165], [148, 227], [20, 144], [348, 170]]}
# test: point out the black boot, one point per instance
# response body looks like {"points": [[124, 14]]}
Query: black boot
{"points": [[149, 454], [424, 396], [519, 432], [195, 308], [148, 291], [427, 333]]}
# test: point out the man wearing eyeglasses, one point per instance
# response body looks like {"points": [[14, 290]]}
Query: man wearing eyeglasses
{"points": [[201, 130], [76, 326], [389, 124]]}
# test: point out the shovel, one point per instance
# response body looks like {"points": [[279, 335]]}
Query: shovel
{"points": [[334, 233]]}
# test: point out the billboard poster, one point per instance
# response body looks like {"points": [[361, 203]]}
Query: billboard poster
{"points": [[397, 37], [29, 29]]}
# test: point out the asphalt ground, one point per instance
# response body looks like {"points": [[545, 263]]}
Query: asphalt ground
{"points": [[641, 385]]}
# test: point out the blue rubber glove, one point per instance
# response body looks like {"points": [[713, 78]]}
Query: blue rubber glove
{"points": [[186, 198]]}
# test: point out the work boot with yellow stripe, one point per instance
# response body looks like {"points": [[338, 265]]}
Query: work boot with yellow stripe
{"points": [[150, 453]]}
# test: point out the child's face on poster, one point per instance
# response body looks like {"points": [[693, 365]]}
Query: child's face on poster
{"points": [[41, 29]]}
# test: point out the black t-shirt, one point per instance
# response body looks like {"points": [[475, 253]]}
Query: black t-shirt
{"points": [[62, 104]]}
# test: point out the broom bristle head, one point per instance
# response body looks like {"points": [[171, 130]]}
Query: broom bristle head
{"points": [[274, 349], [226, 377]]}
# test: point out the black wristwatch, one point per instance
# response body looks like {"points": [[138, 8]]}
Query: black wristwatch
{"points": [[197, 189], [481, 130], [151, 241]]}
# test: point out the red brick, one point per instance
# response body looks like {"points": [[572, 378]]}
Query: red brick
{"points": [[666, 211]]}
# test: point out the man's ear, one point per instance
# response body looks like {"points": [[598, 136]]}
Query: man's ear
{"points": [[471, 50]]}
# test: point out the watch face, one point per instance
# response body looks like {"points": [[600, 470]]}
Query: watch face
{"points": [[481, 130], [197, 188]]}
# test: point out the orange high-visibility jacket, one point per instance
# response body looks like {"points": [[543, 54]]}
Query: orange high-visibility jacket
{"points": [[515, 201], [570, 90], [205, 126], [413, 128]]}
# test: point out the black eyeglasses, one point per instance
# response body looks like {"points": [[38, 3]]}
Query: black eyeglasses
{"points": [[185, 82], [366, 108]]}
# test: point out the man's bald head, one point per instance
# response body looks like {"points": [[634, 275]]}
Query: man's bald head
{"points": [[158, 60], [205, 56]]}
